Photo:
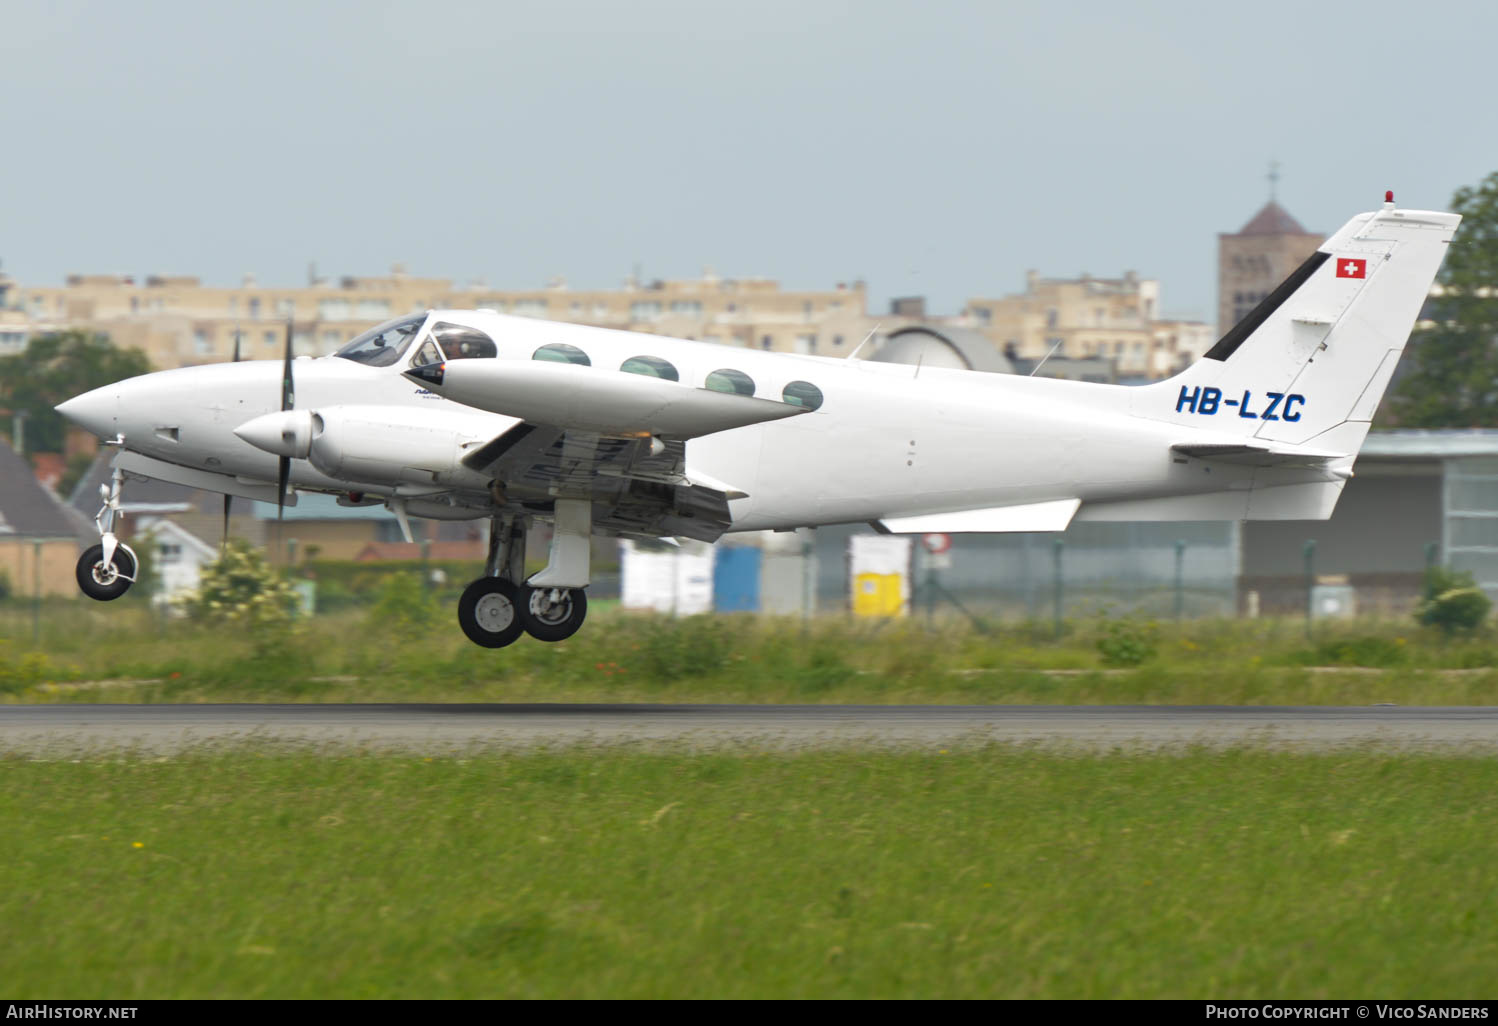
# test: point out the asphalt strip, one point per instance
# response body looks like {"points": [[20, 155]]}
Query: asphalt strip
{"points": [[73, 729]]}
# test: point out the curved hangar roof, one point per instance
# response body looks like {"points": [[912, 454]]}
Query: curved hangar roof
{"points": [[957, 348]]}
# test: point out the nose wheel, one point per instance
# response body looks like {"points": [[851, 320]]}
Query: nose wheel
{"points": [[106, 579], [489, 613], [554, 614]]}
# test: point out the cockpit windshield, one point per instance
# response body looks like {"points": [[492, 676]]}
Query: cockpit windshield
{"points": [[383, 345]]}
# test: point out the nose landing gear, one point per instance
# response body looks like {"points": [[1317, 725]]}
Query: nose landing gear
{"points": [[106, 571], [105, 579]]}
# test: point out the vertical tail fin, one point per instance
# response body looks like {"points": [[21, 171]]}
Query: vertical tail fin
{"points": [[1309, 365]]}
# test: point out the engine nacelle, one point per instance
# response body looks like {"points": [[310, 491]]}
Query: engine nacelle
{"points": [[381, 445], [377, 445]]}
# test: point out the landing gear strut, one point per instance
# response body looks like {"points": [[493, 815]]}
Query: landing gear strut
{"points": [[489, 609], [495, 609], [106, 571]]}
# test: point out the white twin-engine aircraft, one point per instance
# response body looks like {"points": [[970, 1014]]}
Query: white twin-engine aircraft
{"points": [[466, 414]]}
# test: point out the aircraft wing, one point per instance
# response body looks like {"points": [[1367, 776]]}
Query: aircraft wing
{"points": [[1258, 454], [592, 399], [639, 486]]}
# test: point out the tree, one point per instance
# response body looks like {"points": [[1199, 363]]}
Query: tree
{"points": [[1453, 380], [56, 367]]}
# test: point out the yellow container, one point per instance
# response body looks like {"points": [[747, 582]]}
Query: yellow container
{"points": [[877, 595]]}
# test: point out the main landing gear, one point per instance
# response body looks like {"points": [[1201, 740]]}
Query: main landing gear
{"points": [[495, 610], [106, 571]]}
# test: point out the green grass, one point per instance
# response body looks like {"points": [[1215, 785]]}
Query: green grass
{"points": [[985, 872], [421, 656]]}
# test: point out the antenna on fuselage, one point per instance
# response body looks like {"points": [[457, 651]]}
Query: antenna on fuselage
{"points": [[865, 341], [1044, 358]]}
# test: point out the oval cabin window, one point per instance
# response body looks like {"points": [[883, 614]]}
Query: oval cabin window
{"points": [[651, 367], [559, 352], [735, 382], [802, 393]]}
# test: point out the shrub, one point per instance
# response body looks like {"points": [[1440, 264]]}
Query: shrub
{"points": [[241, 588], [403, 608], [1128, 643], [1452, 601]]}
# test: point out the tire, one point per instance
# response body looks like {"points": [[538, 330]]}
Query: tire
{"points": [[489, 613], [546, 622], [105, 583]]}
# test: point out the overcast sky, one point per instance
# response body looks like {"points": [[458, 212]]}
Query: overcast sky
{"points": [[931, 148]]}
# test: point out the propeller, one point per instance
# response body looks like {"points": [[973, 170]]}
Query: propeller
{"points": [[288, 400], [229, 499]]}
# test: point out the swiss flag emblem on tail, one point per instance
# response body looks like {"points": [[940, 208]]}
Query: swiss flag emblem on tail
{"points": [[1347, 267]]}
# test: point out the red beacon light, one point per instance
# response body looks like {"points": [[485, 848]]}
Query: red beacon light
{"points": [[1389, 196]]}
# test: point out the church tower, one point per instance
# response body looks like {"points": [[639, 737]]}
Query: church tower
{"points": [[1258, 257]]}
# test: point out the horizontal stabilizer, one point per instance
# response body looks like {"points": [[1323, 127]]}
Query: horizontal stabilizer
{"points": [[1035, 516], [605, 402], [1254, 454]]}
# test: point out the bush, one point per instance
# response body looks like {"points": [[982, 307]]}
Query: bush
{"points": [[242, 589], [403, 608], [1127, 643], [21, 671], [1452, 601], [5, 589]]}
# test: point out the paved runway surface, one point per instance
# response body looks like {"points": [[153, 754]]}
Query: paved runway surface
{"points": [[59, 729]]}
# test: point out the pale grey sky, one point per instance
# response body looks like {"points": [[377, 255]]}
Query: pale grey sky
{"points": [[933, 148]]}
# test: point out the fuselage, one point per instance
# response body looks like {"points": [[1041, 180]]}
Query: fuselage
{"points": [[886, 440]]}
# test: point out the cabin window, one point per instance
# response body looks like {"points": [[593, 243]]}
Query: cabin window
{"points": [[459, 342], [427, 354], [557, 352], [803, 393], [651, 367], [735, 382]]}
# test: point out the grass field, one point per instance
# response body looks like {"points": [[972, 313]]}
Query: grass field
{"points": [[118, 652], [971, 873]]}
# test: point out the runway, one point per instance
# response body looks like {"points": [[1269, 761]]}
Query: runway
{"points": [[56, 730]]}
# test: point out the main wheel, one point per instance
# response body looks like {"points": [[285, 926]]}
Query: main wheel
{"points": [[553, 614], [105, 581], [488, 613]]}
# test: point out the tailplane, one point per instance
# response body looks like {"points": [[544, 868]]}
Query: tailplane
{"points": [[1306, 369]]}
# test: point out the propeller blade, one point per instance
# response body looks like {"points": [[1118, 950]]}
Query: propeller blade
{"points": [[288, 400], [236, 345], [224, 544], [288, 388]]}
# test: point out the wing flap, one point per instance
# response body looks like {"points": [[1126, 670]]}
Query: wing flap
{"points": [[1034, 516]]}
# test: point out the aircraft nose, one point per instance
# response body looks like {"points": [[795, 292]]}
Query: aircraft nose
{"points": [[96, 411]]}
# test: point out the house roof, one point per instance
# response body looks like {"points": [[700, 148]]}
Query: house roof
{"points": [[1273, 219], [445, 550], [27, 510]]}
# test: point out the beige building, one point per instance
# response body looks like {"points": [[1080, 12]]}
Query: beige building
{"points": [[179, 321], [1251, 262], [1088, 318]]}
